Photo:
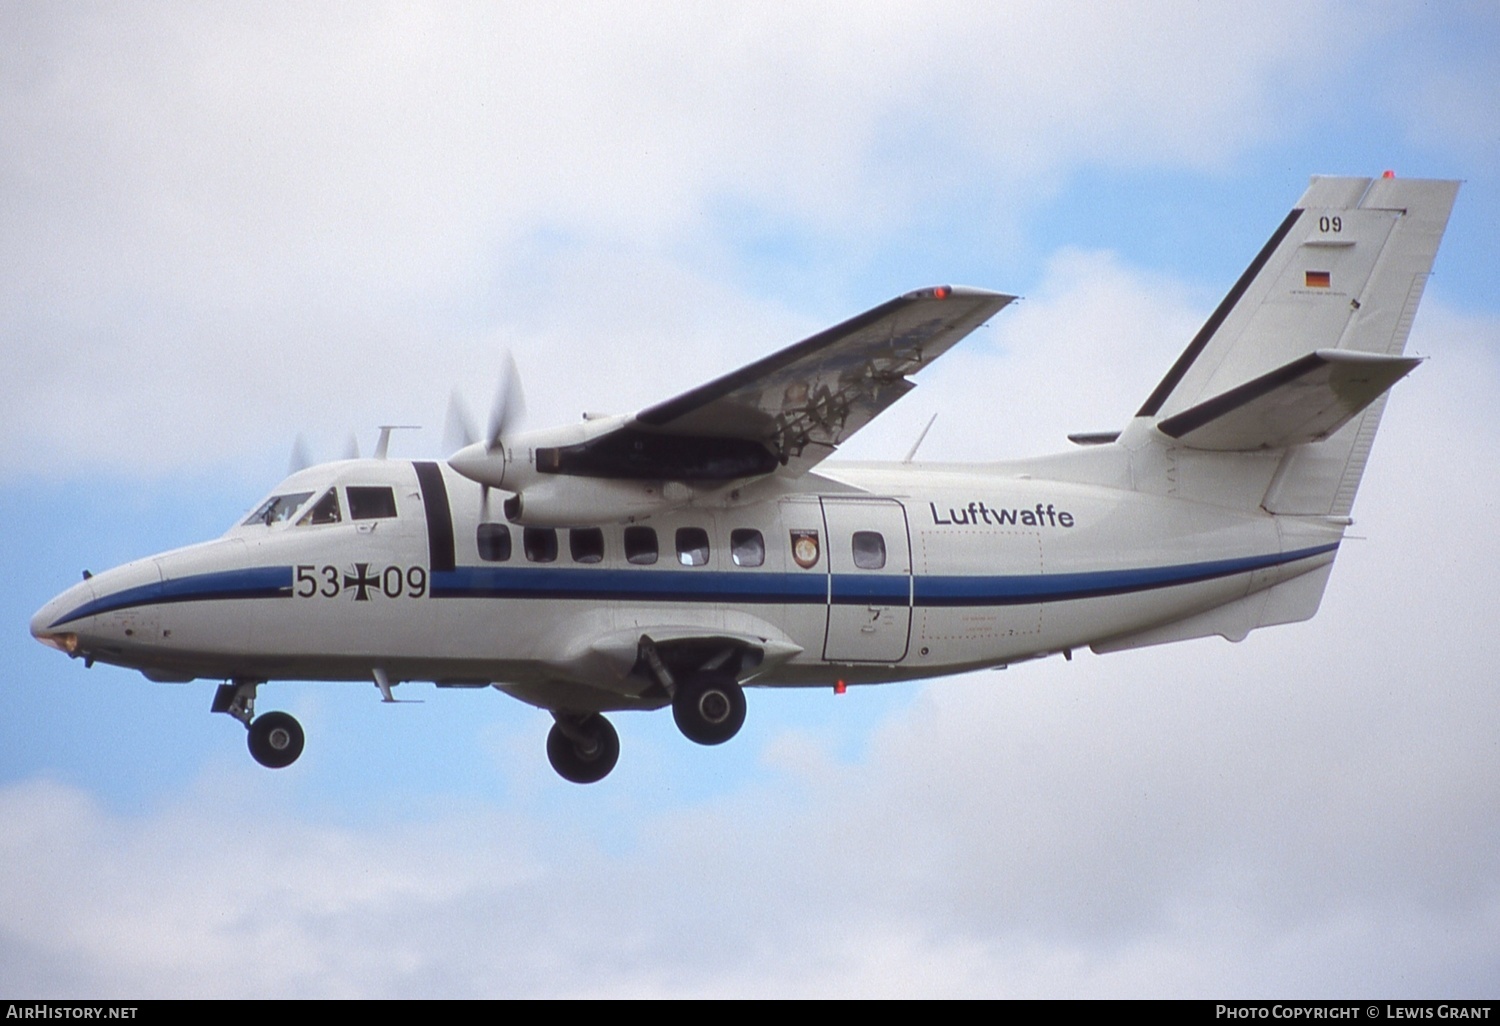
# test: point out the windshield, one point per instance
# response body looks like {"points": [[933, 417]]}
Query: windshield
{"points": [[277, 508], [324, 511]]}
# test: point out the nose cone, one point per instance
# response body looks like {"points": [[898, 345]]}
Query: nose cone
{"points": [[49, 625], [479, 463], [41, 619]]}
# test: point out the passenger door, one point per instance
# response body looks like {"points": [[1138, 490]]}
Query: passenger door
{"points": [[869, 566]]}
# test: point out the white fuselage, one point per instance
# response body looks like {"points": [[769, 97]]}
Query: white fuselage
{"points": [[905, 572]]}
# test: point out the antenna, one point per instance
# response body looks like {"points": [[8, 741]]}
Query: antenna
{"points": [[918, 443], [384, 444]]}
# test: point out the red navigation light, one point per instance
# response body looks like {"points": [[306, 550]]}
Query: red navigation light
{"points": [[942, 292], [1389, 174], [840, 687]]}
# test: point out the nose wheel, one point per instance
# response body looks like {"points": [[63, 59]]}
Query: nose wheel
{"points": [[275, 740]]}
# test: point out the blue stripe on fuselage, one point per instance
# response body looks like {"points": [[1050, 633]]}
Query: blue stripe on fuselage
{"points": [[1029, 588], [623, 585], [742, 586], [252, 582]]}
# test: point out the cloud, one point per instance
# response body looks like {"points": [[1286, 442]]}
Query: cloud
{"points": [[1080, 353], [1444, 79], [230, 223]]}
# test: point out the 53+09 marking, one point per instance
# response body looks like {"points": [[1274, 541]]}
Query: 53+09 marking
{"points": [[330, 581]]}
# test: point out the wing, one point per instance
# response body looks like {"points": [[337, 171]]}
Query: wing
{"points": [[791, 409]]}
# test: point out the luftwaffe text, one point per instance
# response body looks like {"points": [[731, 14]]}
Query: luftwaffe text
{"points": [[977, 514]]}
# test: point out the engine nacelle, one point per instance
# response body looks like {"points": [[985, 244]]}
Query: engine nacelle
{"points": [[558, 501]]}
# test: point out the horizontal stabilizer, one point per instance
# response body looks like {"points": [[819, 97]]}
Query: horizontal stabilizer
{"points": [[1303, 401]]}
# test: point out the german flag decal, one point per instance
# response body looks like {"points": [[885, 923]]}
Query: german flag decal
{"points": [[1318, 280]]}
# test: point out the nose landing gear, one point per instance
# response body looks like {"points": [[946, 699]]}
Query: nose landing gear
{"points": [[275, 738]]}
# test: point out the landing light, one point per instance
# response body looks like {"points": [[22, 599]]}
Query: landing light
{"points": [[66, 643]]}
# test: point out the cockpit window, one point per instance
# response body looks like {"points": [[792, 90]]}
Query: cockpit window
{"points": [[278, 508], [324, 511], [371, 503]]}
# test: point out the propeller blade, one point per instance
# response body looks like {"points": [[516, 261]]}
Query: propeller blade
{"points": [[509, 406], [301, 458], [458, 428]]}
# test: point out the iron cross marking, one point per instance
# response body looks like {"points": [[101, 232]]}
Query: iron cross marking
{"points": [[363, 582]]}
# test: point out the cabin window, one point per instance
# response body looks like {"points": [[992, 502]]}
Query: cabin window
{"points": [[371, 503], [494, 543], [540, 544], [869, 550], [278, 508], [640, 545], [692, 546], [324, 511], [586, 544], [747, 547]]}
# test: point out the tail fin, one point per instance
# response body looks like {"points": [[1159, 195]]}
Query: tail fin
{"points": [[1276, 400], [1300, 353]]}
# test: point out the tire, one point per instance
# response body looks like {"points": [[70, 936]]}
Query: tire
{"points": [[276, 739], [584, 765], [709, 708]]}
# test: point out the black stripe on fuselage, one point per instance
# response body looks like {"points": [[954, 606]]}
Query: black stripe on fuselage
{"points": [[1206, 333], [439, 516]]}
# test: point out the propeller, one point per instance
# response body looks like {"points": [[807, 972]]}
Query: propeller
{"points": [[472, 453], [509, 405], [458, 429], [301, 458]]}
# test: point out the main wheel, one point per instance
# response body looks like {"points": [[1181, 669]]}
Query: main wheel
{"points": [[584, 763], [709, 708], [276, 740]]}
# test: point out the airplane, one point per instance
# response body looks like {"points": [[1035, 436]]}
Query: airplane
{"points": [[675, 556]]}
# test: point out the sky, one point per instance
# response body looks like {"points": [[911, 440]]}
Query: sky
{"points": [[222, 226]]}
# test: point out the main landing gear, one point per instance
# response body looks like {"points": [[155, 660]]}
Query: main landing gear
{"points": [[582, 749], [275, 738], [709, 707]]}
